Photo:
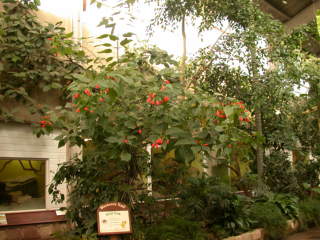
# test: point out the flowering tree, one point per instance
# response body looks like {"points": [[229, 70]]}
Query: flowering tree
{"points": [[114, 113]]}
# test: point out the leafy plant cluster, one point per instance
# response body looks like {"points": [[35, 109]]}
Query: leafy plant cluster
{"points": [[133, 119], [33, 58]]}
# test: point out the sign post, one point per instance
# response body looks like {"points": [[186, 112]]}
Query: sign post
{"points": [[113, 220]]}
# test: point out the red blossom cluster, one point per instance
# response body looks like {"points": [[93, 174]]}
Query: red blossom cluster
{"points": [[44, 123], [157, 143], [220, 114], [152, 101]]}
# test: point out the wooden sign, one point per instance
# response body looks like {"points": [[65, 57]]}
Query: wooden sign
{"points": [[3, 219], [113, 219]]}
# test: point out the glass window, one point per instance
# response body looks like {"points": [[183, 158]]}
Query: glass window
{"points": [[22, 184]]}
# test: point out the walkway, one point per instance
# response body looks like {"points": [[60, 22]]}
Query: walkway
{"points": [[313, 234]]}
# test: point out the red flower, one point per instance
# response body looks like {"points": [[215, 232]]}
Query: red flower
{"points": [[168, 141], [86, 108], [205, 144], [155, 145], [78, 110], [166, 99], [163, 88], [238, 103], [101, 99], [43, 122], [50, 39], [45, 117], [139, 131], [167, 81], [240, 119], [91, 111], [220, 114], [43, 126], [159, 141], [87, 92], [125, 141], [97, 86], [246, 120], [152, 95], [152, 102], [158, 102], [76, 95], [149, 100]]}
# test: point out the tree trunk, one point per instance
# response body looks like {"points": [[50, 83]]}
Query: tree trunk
{"points": [[258, 117], [260, 150], [184, 50]]}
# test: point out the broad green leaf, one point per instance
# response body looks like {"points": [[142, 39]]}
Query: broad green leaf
{"points": [[186, 141], [103, 36], [113, 38], [125, 42], [113, 140], [229, 110], [128, 34], [125, 156], [106, 51], [177, 132]]}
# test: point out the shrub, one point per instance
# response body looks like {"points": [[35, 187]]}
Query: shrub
{"points": [[268, 216], [173, 228], [309, 213], [221, 212], [279, 175]]}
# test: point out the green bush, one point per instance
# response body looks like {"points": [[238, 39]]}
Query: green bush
{"points": [[174, 228], [268, 216], [221, 212], [279, 175], [309, 213]]}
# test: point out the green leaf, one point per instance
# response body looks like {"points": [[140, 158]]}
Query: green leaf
{"points": [[128, 34], [219, 128], [103, 36], [106, 51], [229, 110], [184, 154], [113, 38], [177, 132], [196, 149], [125, 42], [108, 59], [113, 140], [186, 141], [125, 156], [223, 138]]}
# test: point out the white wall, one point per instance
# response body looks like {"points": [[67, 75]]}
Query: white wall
{"points": [[18, 141]]}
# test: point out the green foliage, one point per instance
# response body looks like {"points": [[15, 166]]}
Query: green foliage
{"points": [[120, 109], [307, 174], [270, 217], [33, 55], [309, 212], [220, 211], [279, 174], [175, 227]]}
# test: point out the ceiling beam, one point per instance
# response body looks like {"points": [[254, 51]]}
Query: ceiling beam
{"points": [[303, 17], [269, 8]]}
